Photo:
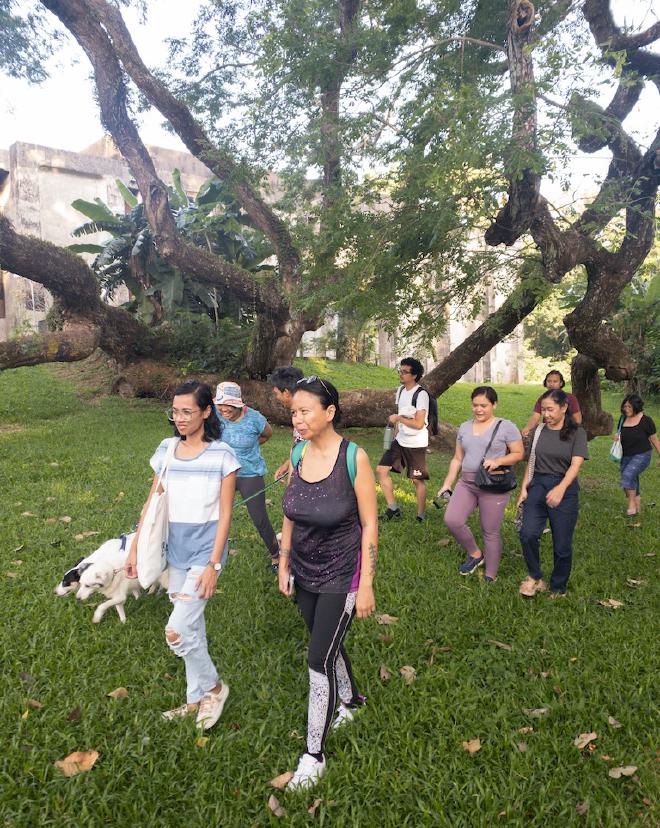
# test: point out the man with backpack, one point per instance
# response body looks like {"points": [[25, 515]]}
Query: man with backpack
{"points": [[417, 411]]}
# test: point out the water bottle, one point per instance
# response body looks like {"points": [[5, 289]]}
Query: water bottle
{"points": [[388, 436]]}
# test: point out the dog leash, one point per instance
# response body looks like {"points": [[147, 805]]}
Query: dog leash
{"points": [[261, 491]]}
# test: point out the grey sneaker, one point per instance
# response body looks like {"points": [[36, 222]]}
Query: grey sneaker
{"points": [[210, 707]]}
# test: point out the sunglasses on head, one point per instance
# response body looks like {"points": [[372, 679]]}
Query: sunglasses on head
{"points": [[314, 378]]}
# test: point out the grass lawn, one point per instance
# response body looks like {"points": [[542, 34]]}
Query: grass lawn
{"points": [[483, 656]]}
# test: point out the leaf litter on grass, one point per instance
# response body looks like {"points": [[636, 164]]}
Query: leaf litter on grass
{"points": [[280, 782], [583, 739], [626, 770], [472, 745], [77, 762]]}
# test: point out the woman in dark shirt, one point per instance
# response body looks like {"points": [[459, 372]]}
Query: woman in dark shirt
{"points": [[329, 546], [549, 491], [637, 434]]}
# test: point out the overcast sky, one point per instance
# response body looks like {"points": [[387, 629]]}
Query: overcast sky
{"points": [[61, 113]]}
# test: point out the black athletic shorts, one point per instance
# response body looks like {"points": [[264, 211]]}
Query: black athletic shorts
{"points": [[412, 459]]}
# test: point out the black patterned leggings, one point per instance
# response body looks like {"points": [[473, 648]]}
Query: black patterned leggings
{"points": [[328, 617]]}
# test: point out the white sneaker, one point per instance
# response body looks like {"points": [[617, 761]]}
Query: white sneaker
{"points": [[210, 707], [308, 773], [344, 716]]}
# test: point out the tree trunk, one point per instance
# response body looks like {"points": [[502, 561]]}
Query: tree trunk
{"points": [[586, 387], [70, 345]]}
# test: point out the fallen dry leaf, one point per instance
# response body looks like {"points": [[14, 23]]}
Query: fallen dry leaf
{"points": [[605, 758], [280, 782], [233, 552], [28, 514], [556, 688], [387, 619], [634, 582], [79, 537], [119, 496], [611, 603], [582, 808], [573, 659], [16, 563], [472, 746], [119, 693], [34, 704], [269, 502], [617, 773], [633, 525], [18, 549], [201, 741], [312, 810], [649, 555], [522, 747], [11, 574], [25, 714], [54, 464], [77, 762], [500, 644], [409, 673], [51, 520], [613, 722], [583, 740], [384, 673], [444, 649], [74, 715], [385, 638], [444, 542], [275, 807], [50, 499], [66, 519], [545, 675], [525, 730], [535, 712]]}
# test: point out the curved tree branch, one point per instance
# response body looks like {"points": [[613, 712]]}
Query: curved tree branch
{"points": [[195, 261], [197, 142]]}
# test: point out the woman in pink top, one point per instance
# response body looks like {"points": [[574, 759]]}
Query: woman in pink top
{"points": [[553, 381]]}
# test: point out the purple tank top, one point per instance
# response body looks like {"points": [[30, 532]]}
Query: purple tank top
{"points": [[326, 546]]}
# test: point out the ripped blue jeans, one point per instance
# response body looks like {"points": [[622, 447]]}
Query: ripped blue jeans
{"points": [[187, 619]]}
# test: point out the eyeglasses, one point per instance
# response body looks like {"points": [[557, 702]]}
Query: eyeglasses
{"points": [[185, 414], [404, 370], [314, 378]]}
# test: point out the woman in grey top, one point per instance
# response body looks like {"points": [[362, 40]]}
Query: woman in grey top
{"points": [[506, 450], [549, 491]]}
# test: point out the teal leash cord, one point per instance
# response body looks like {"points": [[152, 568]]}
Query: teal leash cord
{"points": [[261, 491]]}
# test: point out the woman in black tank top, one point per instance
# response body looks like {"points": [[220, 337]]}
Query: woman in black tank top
{"points": [[329, 550]]}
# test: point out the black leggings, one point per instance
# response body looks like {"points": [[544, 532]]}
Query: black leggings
{"points": [[256, 507], [328, 617]]}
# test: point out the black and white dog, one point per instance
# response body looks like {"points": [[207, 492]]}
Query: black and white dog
{"points": [[103, 571]]}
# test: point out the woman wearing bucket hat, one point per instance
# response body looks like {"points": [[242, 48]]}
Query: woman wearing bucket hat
{"points": [[245, 429]]}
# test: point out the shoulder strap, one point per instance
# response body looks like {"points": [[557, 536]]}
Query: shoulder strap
{"points": [[399, 391], [492, 437], [298, 452], [620, 425], [169, 454], [351, 461], [416, 395], [532, 452]]}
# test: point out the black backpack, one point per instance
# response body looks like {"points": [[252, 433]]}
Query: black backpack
{"points": [[433, 407]]}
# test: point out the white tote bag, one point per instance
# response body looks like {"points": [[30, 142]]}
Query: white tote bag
{"points": [[152, 541]]}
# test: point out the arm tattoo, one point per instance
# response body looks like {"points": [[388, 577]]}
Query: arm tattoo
{"points": [[373, 556]]}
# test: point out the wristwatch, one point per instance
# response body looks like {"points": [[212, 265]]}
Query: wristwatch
{"points": [[216, 565]]}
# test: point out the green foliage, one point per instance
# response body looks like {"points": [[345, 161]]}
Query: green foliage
{"points": [[401, 763], [194, 343], [212, 220], [27, 40], [637, 321]]}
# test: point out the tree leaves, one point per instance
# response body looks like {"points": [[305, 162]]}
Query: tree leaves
{"points": [[583, 740], [611, 603], [77, 762], [472, 745], [275, 807], [617, 773], [409, 673], [119, 693], [385, 619], [280, 782]]}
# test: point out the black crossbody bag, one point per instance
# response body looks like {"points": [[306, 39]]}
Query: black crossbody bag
{"points": [[501, 479]]}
